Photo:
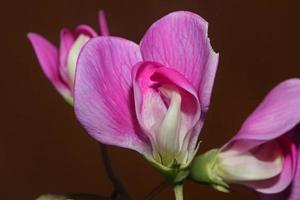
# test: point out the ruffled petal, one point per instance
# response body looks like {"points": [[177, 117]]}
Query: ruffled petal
{"points": [[103, 92], [158, 92], [179, 40]]}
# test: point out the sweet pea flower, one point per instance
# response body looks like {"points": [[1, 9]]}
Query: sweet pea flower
{"points": [[264, 154], [152, 97], [59, 65]]}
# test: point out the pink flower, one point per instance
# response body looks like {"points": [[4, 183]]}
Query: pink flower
{"points": [[151, 97], [263, 155], [59, 64]]}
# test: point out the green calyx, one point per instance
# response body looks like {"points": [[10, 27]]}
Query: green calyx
{"points": [[203, 169], [175, 174]]}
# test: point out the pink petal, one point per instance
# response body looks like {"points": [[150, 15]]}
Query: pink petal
{"points": [[47, 55], [103, 24], [207, 81], [292, 192], [278, 114], [149, 75], [179, 40], [103, 92], [66, 41], [85, 29]]}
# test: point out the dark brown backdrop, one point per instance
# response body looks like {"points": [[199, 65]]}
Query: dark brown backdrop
{"points": [[44, 149]]}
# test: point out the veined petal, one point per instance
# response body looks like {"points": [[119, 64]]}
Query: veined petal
{"points": [[47, 55], [179, 40], [103, 92], [278, 113]]}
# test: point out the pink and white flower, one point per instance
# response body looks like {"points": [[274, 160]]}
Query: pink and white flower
{"points": [[59, 64], [264, 154], [150, 97]]}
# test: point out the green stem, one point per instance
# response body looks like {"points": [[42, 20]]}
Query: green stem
{"points": [[178, 190]]}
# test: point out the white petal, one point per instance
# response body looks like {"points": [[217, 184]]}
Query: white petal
{"points": [[73, 55], [169, 129], [262, 163]]}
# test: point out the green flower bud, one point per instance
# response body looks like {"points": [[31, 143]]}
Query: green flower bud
{"points": [[203, 169]]}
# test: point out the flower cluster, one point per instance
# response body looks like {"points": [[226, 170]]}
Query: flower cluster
{"points": [[153, 97]]}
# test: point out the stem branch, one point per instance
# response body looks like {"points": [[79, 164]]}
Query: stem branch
{"points": [[118, 187]]}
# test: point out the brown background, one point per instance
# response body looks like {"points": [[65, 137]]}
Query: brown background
{"points": [[42, 146]]}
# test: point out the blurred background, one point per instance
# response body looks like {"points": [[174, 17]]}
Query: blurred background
{"points": [[43, 149]]}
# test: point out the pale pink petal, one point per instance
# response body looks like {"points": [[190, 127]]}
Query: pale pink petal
{"points": [[103, 24], [103, 92], [47, 55], [179, 40]]}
